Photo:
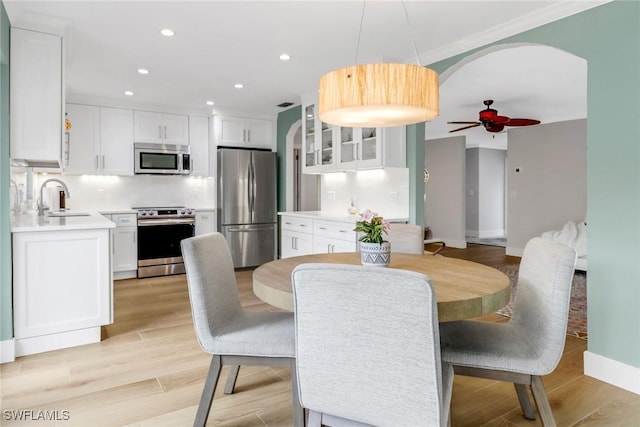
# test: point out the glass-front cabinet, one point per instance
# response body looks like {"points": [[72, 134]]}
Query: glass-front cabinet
{"points": [[319, 140], [330, 148]]}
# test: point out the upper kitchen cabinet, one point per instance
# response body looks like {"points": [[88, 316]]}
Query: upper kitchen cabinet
{"points": [[365, 148], [318, 139], [233, 131], [100, 141], [199, 146], [36, 99], [161, 128]]}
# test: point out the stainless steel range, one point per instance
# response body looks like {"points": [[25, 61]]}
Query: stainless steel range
{"points": [[160, 231]]}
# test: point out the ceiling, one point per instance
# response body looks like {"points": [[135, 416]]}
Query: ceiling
{"points": [[220, 43]]}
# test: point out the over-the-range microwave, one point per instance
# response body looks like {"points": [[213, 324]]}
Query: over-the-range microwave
{"points": [[165, 159]]}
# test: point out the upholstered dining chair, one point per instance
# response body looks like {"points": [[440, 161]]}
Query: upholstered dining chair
{"points": [[224, 329], [367, 347], [409, 239], [531, 343]]}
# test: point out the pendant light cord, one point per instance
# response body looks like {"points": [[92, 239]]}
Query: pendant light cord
{"points": [[364, 3], [413, 40]]}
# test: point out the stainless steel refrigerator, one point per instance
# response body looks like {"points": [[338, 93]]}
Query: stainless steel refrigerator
{"points": [[247, 204]]}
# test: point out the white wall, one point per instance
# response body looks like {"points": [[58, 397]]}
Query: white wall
{"points": [[385, 191], [546, 180], [444, 204], [100, 193]]}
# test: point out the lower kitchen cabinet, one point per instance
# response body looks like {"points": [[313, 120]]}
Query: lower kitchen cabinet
{"points": [[124, 246], [205, 221], [305, 236], [62, 288]]}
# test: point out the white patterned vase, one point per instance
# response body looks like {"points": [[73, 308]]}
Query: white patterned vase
{"points": [[375, 254]]}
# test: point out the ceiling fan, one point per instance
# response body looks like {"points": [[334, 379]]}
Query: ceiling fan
{"points": [[492, 122]]}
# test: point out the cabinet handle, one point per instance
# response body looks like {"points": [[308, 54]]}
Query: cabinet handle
{"points": [[288, 223], [322, 228], [342, 231], [249, 135], [328, 248], [359, 152], [244, 135], [159, 132], [165, 132], [103, 162], [97, 163], [303, 225], [333, 248]]}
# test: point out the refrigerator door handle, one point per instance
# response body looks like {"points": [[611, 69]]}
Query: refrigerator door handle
{"points": [[253, 184], [250, 188], [247, 230]]}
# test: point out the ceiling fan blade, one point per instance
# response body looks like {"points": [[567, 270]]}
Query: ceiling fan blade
{"points": [[466, 127], [463, 123], [521, 122], [500, 119]]}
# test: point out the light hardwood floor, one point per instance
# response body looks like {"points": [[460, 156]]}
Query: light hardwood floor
{"points": [[149, 371]]}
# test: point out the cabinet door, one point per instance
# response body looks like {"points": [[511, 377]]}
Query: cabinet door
{"points": [[295, 244], [230, 131], [259, 133], [347, 140], [125, 248], [82, 146], [147, 127], [369, 153], [310, 160], [175, 129], [116, 137], [36, 97], [61, 281], [205, 222], [199, 146]]}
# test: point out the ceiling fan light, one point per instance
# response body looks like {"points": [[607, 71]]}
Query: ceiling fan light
{"points": [[378, 95]]}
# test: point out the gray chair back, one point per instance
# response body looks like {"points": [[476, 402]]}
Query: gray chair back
{"points": [[406, 238], [367, 345], [212, 285], [541, 305]]}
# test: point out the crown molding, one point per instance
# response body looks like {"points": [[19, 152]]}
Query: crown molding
{"points": [[554, 12]]}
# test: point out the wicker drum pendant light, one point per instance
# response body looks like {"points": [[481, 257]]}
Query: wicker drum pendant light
{"points": [[379, 95]]}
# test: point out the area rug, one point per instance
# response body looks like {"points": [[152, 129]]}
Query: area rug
{"points": [[497, 241], [577, 322]]}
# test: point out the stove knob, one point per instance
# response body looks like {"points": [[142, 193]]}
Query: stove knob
{"points": [[189, 212], [142, 213], [182, 211]]}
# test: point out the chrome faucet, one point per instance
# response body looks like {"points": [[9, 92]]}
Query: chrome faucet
{"points": [[41, 206]]}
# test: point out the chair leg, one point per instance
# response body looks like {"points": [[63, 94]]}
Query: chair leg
{"points": [[231, 379], [542, 402], [298, 410], [207, 393], [525, 403]]}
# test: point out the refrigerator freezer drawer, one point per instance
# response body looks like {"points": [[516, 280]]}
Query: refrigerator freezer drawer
{"points": [[251, 245]]}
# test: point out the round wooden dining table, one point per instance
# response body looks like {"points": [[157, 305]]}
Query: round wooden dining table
{"points": [[463, 289]]}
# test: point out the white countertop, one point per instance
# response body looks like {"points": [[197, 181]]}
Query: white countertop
{"points": [[333, 217], [30, 221]]}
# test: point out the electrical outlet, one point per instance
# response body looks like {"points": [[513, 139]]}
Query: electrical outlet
{"points": [[331, 195], [393, 196]]}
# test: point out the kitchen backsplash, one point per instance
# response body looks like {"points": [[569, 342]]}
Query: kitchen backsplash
{"points": [[385, 191], [95, 192]]}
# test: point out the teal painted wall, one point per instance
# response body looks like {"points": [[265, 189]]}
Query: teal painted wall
{"points": [[284, 122], [6, 313], [415, 163], [608, 37]]}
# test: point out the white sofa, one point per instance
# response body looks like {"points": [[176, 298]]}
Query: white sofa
{"points": [[574, 235]]}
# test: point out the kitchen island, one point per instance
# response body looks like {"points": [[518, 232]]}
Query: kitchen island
{"points": [[62, 280]]}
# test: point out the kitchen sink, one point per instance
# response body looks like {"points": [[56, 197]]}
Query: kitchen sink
{"points": [[67, 214]]}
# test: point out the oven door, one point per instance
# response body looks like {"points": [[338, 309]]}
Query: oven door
{"points": [[159, 250]]}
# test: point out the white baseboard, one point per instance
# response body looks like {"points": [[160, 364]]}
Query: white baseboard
{"points": [[611, 371], [490, 234], [459, 244], [120, 275], [33, 345], [511, 251], [7, 351]]}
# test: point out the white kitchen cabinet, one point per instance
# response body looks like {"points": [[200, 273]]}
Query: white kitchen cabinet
{"points": [[365, 148], [318, 141], [161, 128], [199, 146], [205, 221], [296, 236], [124, 246], [100, 141], [36, 97], [333, 236], [62, 288], [234, 131]]}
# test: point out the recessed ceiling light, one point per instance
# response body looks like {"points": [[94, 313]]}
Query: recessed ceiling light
{"points": [[128, 93], [284, 57], [167, 32], [210, 102], [143, 71], [238, 85]]}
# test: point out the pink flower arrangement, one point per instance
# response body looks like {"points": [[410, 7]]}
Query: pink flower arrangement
{"points": [[372, 226]]}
